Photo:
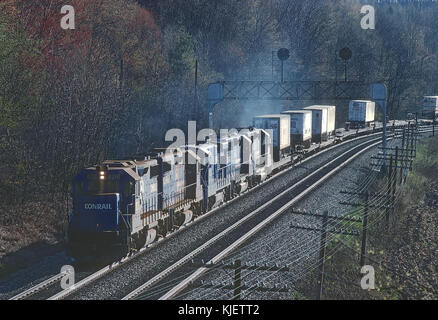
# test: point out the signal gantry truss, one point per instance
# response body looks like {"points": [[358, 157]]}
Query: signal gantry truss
{"points": [[289, 90]]}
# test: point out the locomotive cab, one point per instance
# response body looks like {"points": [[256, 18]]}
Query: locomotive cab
{"points": [[103, 202]]}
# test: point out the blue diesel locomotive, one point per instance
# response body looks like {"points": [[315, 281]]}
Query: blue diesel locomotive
{"points": [[123, 205]]}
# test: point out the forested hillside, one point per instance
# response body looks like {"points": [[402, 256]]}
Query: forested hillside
{"points": [[112, 87]]}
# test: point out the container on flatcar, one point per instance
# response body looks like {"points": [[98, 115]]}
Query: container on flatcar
{"points": [[300, 127], [361, 113], [319, 123], [279, 125], [430, 107], [331, 121]]}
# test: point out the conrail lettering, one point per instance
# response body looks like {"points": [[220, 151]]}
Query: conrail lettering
{"points": [[98, 206]]}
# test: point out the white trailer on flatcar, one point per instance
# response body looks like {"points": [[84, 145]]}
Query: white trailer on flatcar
{"points": [[430, 107], [300, 127], [319, 123], [278, 125], [361, 113]]}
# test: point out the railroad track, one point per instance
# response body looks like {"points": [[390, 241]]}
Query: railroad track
{"points": [[238, 233], [106, 270], [161, 277], [49, 287], [39, 287]]}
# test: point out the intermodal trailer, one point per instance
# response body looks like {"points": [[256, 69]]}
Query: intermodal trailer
{"points": [[300, 127], [430, 107], [319, 123], [361, 113], [278, 125], [331, 120]]}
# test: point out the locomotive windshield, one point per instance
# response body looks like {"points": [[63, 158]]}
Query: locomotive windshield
{"points": [[108, 183], [106, 186]]}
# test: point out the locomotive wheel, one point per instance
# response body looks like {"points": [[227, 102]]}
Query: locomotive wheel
{"points": [[128, 247], [251, 182], [211, 202], [196, 208], [131, 245], [140, 240], [163, 227], [227, 194]]}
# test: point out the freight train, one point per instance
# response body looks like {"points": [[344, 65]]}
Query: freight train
{"points": [[120, 205], [124, 205]]}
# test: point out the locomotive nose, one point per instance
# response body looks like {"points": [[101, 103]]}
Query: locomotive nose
{"points": [[94, 225], [100, 213]]}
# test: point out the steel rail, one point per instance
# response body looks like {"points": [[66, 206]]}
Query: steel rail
{"points": [[183, 284], [117, 264], [207, 244], [37, 288], [64, 293]]}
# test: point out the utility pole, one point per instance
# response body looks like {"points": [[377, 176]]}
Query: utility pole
{"points": [[283, 54], [394, 184], [404, 137], [379, 94], [396, 167], [403, 148], [389, 190], [364, 231], [433, 127], [237, 280], [196, 92], [324, 230], [322, 255], [237, 285], [272, 66], [365, 216]]}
